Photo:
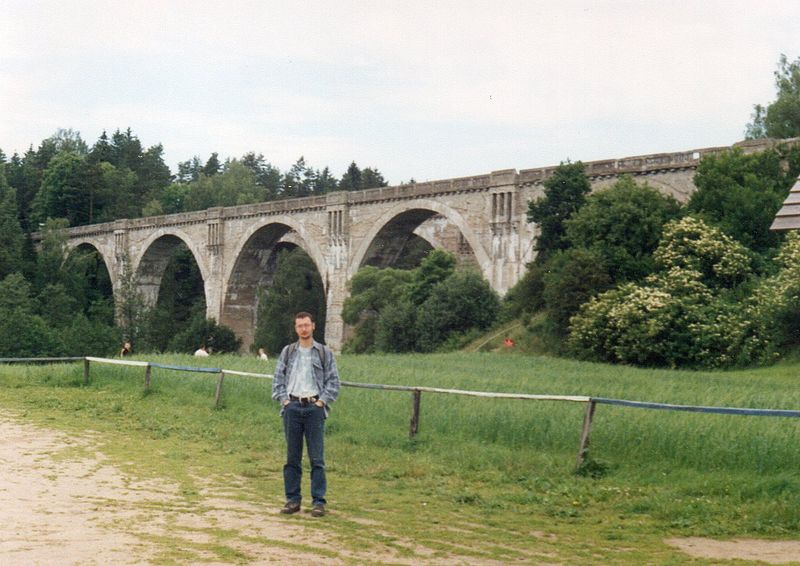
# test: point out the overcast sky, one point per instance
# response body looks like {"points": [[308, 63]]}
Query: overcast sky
{"points": [[423, 90]]}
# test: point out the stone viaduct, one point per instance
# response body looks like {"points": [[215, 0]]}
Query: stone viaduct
{"points": [[482, 219]]}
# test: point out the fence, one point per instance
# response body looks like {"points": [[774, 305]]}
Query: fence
{"points": [[416, 392]]}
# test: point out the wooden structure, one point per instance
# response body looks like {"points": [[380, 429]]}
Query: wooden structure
{"points": [[788, 217]]}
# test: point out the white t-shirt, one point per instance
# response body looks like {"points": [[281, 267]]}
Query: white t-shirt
{"points": [[301, 381], [201, 353]]}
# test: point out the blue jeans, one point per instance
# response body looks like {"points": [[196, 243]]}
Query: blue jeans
{"points": [[304, 421]]}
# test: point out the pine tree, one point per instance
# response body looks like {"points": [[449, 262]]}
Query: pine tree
{"points": [[11, 236]]}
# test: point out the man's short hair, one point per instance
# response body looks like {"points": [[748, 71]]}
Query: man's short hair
{"points": [[304, 314]]}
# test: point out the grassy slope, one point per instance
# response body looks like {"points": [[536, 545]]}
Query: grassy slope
{"points": [[485, 479]]}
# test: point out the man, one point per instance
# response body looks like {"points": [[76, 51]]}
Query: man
{"points": [[305, 382], [201, 352]]}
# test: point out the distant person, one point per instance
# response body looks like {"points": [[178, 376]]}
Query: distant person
{"points": [[305, 383], [126, 350], [201, 352], [262, 355]]}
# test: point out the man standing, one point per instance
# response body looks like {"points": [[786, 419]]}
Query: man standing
{"points": [[306, 382]]}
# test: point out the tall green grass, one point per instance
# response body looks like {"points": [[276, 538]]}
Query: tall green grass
{"points": [[475, 459]]}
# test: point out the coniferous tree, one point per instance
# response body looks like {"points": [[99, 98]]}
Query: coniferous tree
{"points": [[189, 170], [372, 178], [101, 151], [11, 237], [325, 182], [267, 177], [351, 180], [212, 166]]}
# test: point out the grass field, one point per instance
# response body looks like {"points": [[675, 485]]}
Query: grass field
{"points": [[485, 479]]}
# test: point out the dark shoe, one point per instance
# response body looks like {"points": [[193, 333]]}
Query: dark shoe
{"points": [[290, 507], [318, 510]]}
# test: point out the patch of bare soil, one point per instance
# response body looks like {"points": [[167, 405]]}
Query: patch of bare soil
{"points": [[769, 551], [62, 502]]}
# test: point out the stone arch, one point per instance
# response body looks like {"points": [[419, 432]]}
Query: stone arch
{"points": [[150, 265], [105, 255], [96, 281], [252, 267], [416, 213]]}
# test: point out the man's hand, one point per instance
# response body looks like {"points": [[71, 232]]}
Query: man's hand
{"points": [[286, 402], [319, 403]]}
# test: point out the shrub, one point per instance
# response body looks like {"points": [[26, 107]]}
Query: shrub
{"points": [[680, 316], [623, 224], [527, 296], [203, 331], [371, 291], [574, 276], [692, 244], [741, 193], [459, 303], [397, 327]]}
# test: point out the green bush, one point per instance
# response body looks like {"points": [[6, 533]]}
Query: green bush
{"points": [[574, 276], [692, 244], [682, 315], [741, 193], [459, 303], [527, 296], [623, 225], [202, 331], [23, 333], [371, 291], [397, 327]]}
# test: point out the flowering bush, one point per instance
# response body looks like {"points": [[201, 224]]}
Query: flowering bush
{"points": [[681, 315], [692, 244]]}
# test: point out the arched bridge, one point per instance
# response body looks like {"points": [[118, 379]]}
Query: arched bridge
{"points": [[482, 219]]}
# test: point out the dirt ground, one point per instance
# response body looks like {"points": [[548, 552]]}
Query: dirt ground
{"points": [[763, 551], [61, 502]]}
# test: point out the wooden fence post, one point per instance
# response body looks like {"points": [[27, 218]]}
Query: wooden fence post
{"points": [[219, 388], [587, 427], [416, 395], [85, 371], [147, 377]]}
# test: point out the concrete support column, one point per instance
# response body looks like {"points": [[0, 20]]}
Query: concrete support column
{"points": [[503, 220], [215, 240], [120, 258], [334, 325], [337, 257]]}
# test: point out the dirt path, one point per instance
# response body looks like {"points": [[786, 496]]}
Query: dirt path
{"points": [[61, 502], [762, 551]]}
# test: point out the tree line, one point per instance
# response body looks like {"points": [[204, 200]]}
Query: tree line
{"points": [[118, 177]]}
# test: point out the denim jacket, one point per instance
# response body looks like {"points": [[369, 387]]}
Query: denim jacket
{"points": [[326, 377]]}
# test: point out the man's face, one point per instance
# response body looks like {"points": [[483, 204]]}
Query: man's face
{"points": [[304, 328]]}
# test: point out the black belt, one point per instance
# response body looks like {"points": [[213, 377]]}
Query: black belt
{"points": [[305, 400]]}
